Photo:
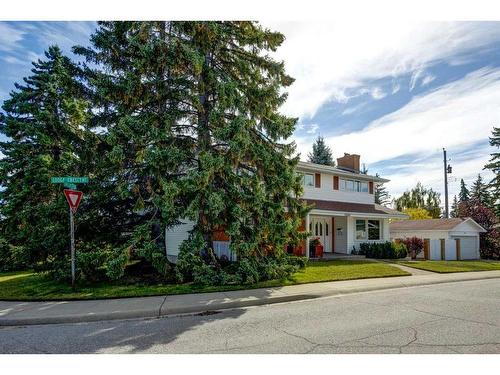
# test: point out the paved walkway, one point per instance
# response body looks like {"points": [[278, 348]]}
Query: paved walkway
{"points": [[25, 313], [413, 271]]}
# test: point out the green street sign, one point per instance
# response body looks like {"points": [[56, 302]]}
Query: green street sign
{"points": [[69, 180], [70, 186]]}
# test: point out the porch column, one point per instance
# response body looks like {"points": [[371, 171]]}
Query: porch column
{"points": [[307, 239]]}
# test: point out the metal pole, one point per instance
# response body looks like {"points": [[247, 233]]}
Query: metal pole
{"points": [[447, 214], [72, 225]]}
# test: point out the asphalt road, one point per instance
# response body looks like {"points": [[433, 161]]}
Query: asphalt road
{"points": [[462, 317]]}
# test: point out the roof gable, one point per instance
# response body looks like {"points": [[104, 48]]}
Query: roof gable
{"points": [[469, 224]]}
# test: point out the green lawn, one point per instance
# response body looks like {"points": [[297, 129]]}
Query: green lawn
{"points": [[30, 286], [446, 266]]}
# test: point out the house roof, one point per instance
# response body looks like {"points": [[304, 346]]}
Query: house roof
{"points": [[373, 209], [430, 224], [341, 172]]}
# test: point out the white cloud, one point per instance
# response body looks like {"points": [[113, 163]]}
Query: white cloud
{"points": [[455, 116], [427, 79], [414, 78], [313, 128], [377, 93], [395, 88], [328, 57], [9, 37], [13, 60], [431, 175]]}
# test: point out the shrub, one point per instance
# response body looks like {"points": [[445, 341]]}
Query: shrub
{"points": [[300, 262], [384, 250], [363, 248], [199, 264], [490, 245], [414, 245], [13, 258], [94, 262]]}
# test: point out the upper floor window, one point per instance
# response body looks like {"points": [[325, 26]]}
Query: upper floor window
{"points": [[308, 179], [353, 185]]}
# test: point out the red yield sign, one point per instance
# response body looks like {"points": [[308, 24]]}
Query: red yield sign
{"points": [[74, 198]]}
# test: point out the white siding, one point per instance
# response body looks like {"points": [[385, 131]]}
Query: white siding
{"points": [[222, 248], [469, 247], [430, 234], [340, 234], [326, 192], [174, 237], [435, 249], [469, 242], [450, 252]]}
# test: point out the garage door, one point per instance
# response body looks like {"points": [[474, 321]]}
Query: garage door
{"points": [[469, 247]]}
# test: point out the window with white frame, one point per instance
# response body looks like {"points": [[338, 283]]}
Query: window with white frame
{"points": [[353, 185], [361, 229], [308, 179], [367, 229]]}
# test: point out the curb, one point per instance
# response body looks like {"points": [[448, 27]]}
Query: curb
{"points": [[165, 311]]}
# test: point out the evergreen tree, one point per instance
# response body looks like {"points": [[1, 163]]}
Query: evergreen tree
{"points": [[454, 207], [146, 143], [44, 122], [194, 132], [321, 153], [381, 194], [464, 194], [480, 193], [494, 166], [420, 197]]}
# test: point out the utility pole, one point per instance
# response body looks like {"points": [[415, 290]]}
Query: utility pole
{"points": [[447, 169]]}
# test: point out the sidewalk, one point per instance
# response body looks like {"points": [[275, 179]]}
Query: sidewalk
{"points": [[27, 313]]}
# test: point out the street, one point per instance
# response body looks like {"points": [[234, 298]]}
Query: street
{"points": [[460, 317]]}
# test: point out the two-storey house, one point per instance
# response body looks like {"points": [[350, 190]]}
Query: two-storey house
{"points": [[344, 212]]}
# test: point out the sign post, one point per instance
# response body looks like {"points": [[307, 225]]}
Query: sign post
{"points": [[72, 236], [73, 197]]}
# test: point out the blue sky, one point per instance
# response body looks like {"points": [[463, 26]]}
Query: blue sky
{"points": [[395, 92]]}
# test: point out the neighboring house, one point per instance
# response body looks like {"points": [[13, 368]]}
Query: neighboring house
{"points": [[344, 212], [450, 239]]}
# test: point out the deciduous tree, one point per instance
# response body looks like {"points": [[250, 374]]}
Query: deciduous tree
{"points": [[420, 197]]}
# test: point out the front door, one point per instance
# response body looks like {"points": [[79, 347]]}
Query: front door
{"points": [[321, 227]]}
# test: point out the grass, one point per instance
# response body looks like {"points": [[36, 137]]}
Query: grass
{"points": [[447, 266], [29, 286]]}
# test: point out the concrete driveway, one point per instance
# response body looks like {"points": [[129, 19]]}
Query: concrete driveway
{"points": [[460, 317]]}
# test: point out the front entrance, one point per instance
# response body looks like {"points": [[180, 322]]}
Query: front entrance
{"points": [[321, 227]]}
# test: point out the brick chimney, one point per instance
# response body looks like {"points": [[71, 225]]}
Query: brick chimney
{"points": [[349, 162]]}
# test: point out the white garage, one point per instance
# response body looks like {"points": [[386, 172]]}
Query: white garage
{"points": [[448, 239]]}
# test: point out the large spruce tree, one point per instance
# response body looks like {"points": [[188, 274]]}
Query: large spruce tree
{"points": [[381, 194], [494, 166], [139, 77], [44, 122], [464, 194], [454, 207], [321, 153], [193, 131], [480, 192], [244, 174]]}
